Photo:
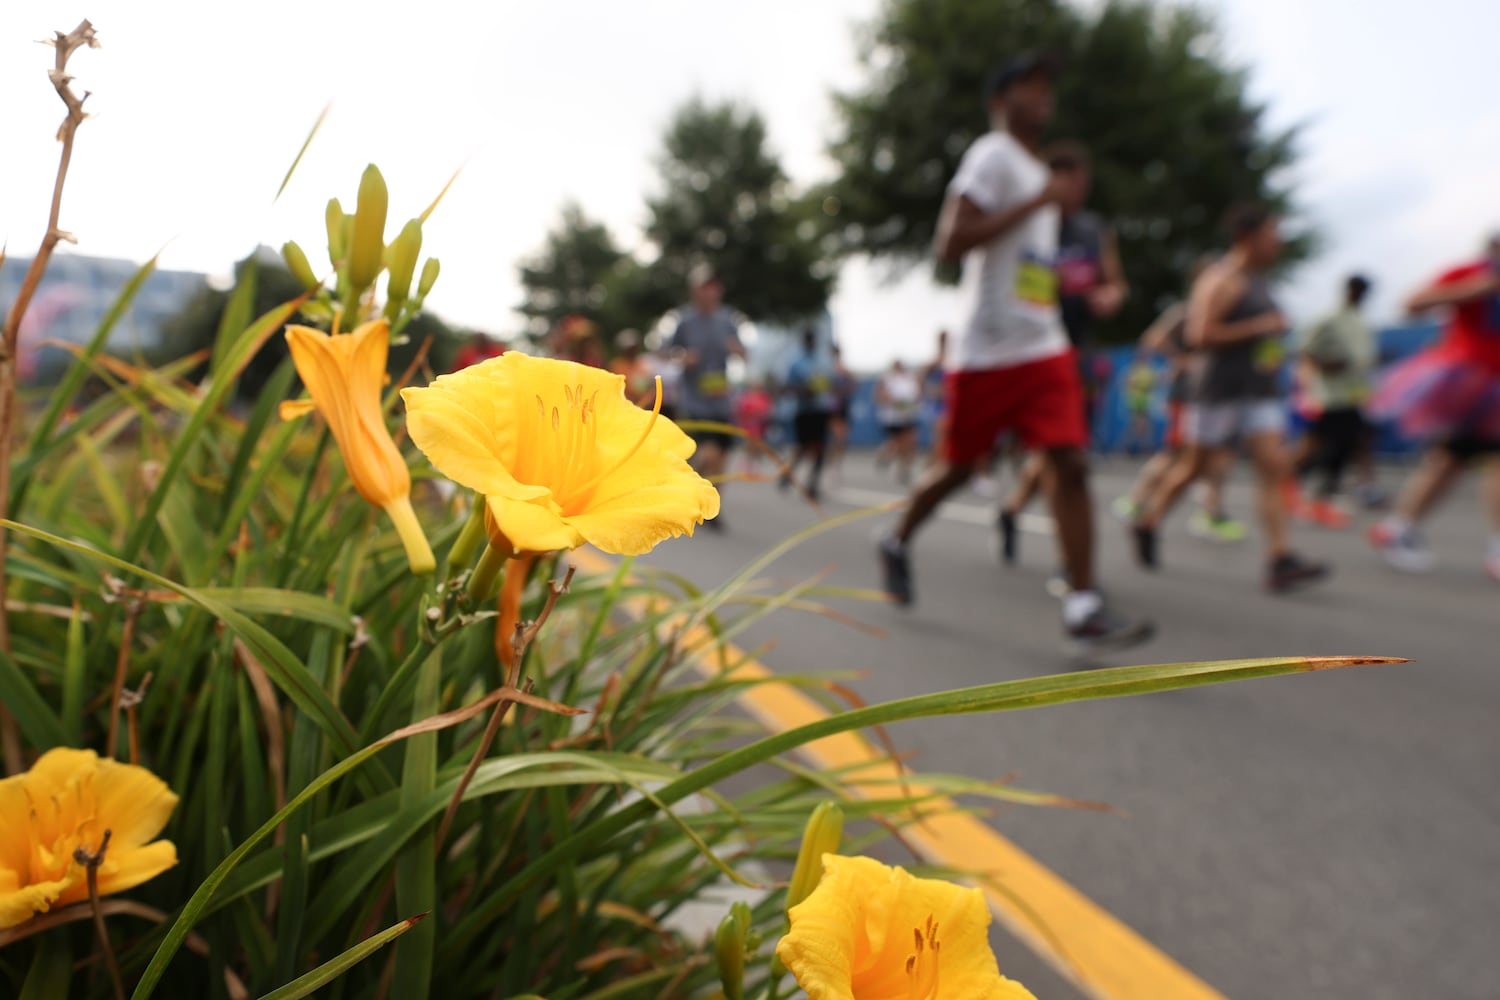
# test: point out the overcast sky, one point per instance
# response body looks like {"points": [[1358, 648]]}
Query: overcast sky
{"points": [[200, 111]]}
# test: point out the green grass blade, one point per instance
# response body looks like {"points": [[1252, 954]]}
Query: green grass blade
{"points": [[416, 881], [301, 152], [1031, 692], [39, 724], [304, 986], [236, 315]]}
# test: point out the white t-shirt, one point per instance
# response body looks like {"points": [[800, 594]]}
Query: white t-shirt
{"points": [[1010, 282], [903, 398]]}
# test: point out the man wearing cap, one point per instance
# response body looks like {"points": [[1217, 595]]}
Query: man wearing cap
{"points": [[1013, 367], [707, 336]]}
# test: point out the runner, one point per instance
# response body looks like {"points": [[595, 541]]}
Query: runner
{"points": [[640, 379], [707, 336], [1449, 395], [1090, 286], [845, 385], [1339, 359], [898, 402], [810, 382], [1013, 367], [1167, 337], [1140, 386], [1233, 319], [934, 407]]}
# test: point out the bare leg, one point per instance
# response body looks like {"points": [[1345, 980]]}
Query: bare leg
{"points": [[935, 487], [1490, 486], [1213, 481], [1151, 475], [1272, 469], [1028, 483], [1429, 484], [1187, 468], [1072, 509], [906, 454]]}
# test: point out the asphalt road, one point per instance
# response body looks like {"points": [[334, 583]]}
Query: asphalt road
{"points": [[1332, 835]]}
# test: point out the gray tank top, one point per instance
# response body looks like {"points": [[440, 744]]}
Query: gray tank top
{"points": [[1249, 369]]}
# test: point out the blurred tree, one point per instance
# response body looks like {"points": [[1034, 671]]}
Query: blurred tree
{"points": [[1175, 137], [579, 270], [724, 200]]}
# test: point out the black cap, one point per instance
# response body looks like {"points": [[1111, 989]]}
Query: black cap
{"points": [[1022, 67]]}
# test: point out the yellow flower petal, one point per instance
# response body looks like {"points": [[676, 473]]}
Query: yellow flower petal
{"points": [[871, 932], [65, 802], [136, 802], [130, 868], [575, 459], [530, 527]]}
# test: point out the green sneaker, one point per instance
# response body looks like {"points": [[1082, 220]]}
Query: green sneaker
{"points": [[1126, 509], [1216, 529]]}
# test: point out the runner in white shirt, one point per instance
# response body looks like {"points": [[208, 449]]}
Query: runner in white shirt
{"points": [[898, 404], [1013, 367]]}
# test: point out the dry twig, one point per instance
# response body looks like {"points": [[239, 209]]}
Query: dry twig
{"points": [[65, 46]]}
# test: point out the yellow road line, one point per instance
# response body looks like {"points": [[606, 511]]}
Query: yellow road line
{"points": [[1104, 957]]}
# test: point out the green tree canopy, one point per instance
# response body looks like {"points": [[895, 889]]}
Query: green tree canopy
{"points": [[1174, 135], [724, 200], [577, 270]]}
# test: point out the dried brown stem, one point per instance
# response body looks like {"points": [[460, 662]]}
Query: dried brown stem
{"points": [[132, 700], [91, 863], [65, 46], [133, 608], [524, 635]]}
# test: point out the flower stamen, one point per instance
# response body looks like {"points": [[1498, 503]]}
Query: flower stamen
{"points": [[584, 489]]}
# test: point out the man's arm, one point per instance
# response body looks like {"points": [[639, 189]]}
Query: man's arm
{"points": [[1454, 293], [1110, 295], [1157, 338], [1212, 298], [963, 225]]}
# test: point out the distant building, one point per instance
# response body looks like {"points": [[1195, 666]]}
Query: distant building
{"points": [[75, 294]]}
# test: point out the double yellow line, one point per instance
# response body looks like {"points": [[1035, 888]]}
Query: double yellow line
{"points": [[1104, 958]]}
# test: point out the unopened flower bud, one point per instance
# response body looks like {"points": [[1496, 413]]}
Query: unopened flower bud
{"points": [[823, 834], [429, 277], [296, 261], [338, 236], [401, 263], [729, 950], [367, 240]]}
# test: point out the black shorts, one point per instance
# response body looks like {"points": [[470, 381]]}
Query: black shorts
{"points": [[811, 428], [896, 430], [1470, 446]]}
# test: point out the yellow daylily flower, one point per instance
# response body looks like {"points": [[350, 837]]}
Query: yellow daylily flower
{"points": [[560, 456], [67, 801], [344, 374], [872, 932]]}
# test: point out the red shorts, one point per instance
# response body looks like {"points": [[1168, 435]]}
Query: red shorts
{"points": [[1176, 411], [1042, 401]]}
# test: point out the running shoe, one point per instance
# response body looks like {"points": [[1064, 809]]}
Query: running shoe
{"points": [[1216, 527], [1327, 514], [895, 568], [1126, 509], [1291, 572], [1145, 546], [986, 486], [1104, 629], [1402, 549], [1008, 537]]}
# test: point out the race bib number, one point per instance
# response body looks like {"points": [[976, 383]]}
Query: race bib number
{"points": [[712, 385], [819, 384], [1269, 355], [1036, 283]]}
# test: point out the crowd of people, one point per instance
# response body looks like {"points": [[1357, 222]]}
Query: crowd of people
{"points": [[1020, 382]]}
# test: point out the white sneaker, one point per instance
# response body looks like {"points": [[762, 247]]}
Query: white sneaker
{"points": [[1402, 549], [987, 487]]}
